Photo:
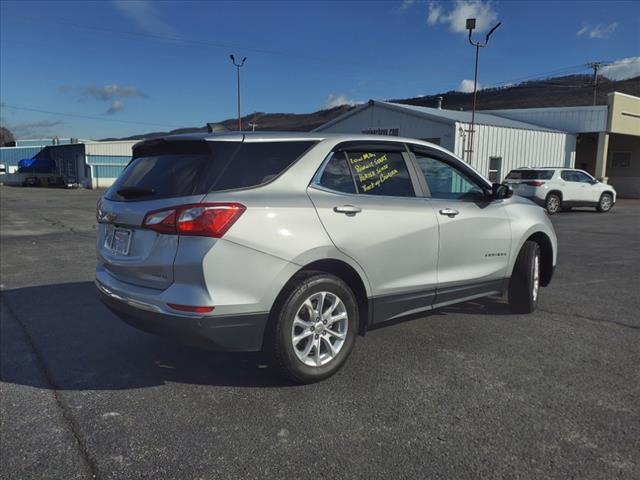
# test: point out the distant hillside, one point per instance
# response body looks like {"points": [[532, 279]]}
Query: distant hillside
{"points": [[570, 91]]}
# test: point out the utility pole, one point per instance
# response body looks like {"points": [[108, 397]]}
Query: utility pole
{"points": [[471, 25], [253, 124], [596, 66], [238, 65]]}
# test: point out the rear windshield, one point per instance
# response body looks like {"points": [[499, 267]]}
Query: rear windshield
{"points": [[530, 175], [164, 169]]}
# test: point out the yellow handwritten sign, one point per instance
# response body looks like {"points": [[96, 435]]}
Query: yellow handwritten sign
{"points": [[372, 169]]}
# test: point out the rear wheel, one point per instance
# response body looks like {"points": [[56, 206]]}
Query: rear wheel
{"points": [[315, 330], [553, 203], [605, 203], [524, 285]]}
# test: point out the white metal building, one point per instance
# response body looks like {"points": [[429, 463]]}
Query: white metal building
{"points": [[92, 164], [500, 144], [608, 137]]}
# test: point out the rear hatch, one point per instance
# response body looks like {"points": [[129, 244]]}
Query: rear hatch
{"points": [[179, 173], [524, 182], [162, 174]]}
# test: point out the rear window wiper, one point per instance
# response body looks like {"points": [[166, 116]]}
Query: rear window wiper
{"points": [[135, 192]]}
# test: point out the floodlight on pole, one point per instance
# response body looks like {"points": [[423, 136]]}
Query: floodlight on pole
{"points": [[238, 65], [471, 25]]}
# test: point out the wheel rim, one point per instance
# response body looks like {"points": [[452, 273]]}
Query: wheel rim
{"points": [[605, 202], [536, 278], [553, 203], [319, 329]]}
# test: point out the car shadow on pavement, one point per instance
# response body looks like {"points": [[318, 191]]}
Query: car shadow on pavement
{"points": [[83, 346]]}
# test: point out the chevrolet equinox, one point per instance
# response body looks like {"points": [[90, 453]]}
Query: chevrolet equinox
{"points": [[296, 243]]}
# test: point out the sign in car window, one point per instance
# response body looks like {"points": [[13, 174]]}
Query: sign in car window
{"points": [[381, 173]]}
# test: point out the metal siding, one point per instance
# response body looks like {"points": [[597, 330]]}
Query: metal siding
{"points": [[411, 126], [115, 160], [106, 168], [569, 119], [520, 148], [10, 156], [122, 149]]}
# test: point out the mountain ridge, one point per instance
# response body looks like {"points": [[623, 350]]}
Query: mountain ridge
{"points": [[566, 91]]}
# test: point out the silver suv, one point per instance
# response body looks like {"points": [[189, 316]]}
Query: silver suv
{"points": [[295, 243]]}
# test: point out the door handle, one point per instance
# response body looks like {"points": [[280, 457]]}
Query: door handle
{"points": [[347, 209], [449, 212]]}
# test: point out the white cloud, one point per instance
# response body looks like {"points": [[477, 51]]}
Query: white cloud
{"points": [[407, 4], [116, 106], [583, 30], [466, 86], [599, 31], [456, 18], [144, 15], [435, 12], [337, 99], [112, 93], [622, 69]]}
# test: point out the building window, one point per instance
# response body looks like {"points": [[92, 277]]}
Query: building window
{"points": [[495, 169], [620, 159]]}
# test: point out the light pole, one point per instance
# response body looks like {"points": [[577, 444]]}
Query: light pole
{"points": [[238, 65], [471, 25]]}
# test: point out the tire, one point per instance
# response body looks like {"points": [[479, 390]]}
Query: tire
{"points": [[299, 316], [524, 285], [553, 203], [605, 203]]}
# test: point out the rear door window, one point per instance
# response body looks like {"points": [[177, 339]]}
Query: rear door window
{"points": [[381, 173], [530, 175], [168, 169], [337, 174]]}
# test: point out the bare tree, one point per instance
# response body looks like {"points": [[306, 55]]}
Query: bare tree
{"points": [[6, 137]]}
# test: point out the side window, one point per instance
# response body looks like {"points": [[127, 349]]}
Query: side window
{"points": [[381, 173], [446, 181], [581, 177], [567, 176], [337, 175]]}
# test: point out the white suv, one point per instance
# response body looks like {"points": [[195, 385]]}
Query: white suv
{"points": [[561, 188]]}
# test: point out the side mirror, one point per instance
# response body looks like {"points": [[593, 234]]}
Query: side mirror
{"points": [[500, 191]]}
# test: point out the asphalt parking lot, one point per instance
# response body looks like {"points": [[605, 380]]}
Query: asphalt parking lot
{"points": [[471, 391]]}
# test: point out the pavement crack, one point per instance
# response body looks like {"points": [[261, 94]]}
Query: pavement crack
{"points": [[66, 412], [593, 319]]}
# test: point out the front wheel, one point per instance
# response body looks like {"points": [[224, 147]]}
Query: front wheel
{"points": [[605, 203], [524, 285], [315, 330]]}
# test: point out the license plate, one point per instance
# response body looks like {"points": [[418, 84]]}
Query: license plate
{"points": [[118, 240]]}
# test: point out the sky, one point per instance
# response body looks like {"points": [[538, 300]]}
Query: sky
{"points": [[115, 68]]}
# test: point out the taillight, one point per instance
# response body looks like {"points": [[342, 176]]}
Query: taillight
{"points": [[201, 219], [534, 184], [190, 308]]}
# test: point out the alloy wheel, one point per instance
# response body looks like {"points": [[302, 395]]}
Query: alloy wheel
{"points": [[319, 329]]}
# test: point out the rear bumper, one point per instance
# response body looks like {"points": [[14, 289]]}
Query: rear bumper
{"points": [[234, 333]]}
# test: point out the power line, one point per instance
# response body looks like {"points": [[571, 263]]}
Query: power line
{"points": [[184, 41], [49, 112]]}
